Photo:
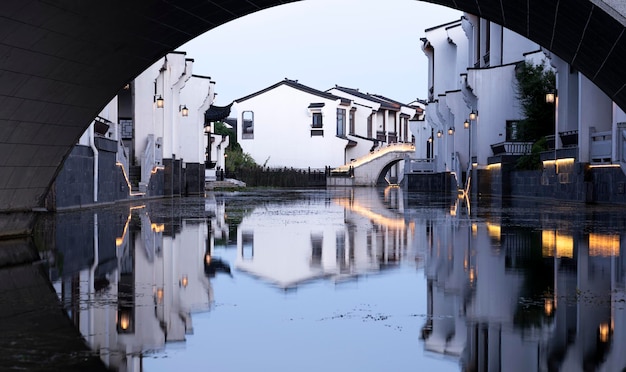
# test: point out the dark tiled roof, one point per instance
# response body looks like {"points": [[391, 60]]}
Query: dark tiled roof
{"points": [[390, 100], [216, 113], [387, 105], [294, 84]]}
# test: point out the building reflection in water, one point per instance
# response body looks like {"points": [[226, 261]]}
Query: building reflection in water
{"points": [[356, 232], [509, 287], [131, 283], [541, 290]]}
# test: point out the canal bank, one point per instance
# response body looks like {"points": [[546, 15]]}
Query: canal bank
{"points": [[561, 179]]}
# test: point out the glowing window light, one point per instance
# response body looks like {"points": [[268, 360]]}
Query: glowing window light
{"points": [[603, 245]]}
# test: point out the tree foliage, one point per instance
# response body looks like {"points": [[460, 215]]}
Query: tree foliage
{"points": [[533, 82], [235, 157]]}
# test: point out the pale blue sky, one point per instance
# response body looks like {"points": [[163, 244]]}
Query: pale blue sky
{"points": [[373, 45]]}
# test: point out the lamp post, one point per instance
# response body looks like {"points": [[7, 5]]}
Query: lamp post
{"points": [[452, 162], [207, 131], [468, 125]]}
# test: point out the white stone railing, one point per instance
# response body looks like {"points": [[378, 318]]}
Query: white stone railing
{"points": [[600, 148], [147, 163], [404, 147], [420, 165]]}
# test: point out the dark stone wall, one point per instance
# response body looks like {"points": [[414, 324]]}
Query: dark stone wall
{"points": [[193, 179], [430, 182], [74, 183], [73, 187], [172, 177], [156, 185], [565, 179], [112, 184], [560, 181]]}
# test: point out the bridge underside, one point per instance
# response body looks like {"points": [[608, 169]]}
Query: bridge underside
{"points": [[62, 61]]}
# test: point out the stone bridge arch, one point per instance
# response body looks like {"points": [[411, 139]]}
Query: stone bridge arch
{"points": [[62, 61], [381, 180]]}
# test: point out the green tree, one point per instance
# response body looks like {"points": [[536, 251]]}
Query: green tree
{"points": [[235, 157], [533, 82]]}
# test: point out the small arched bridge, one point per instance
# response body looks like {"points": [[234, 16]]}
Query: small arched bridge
{"points": [[371, 169]]}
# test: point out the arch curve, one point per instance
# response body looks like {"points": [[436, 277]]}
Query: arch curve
{"points": [[62, 61]]}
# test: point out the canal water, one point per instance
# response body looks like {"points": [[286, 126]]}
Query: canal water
{"points": [[357, 279]]}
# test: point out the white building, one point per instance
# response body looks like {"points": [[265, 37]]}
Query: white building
{"points": [[148, 140], [470, 77], [358, 238], [472, 66], [291, 125]]}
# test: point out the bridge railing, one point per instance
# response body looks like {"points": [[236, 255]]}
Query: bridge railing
{"points": [[420, 165], [600, 149], [399, 146]]}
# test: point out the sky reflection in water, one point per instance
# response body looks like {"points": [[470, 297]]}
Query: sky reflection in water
{"points": [[353, 280]]}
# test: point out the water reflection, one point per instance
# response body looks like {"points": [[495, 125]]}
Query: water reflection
{"points": [[130, 281], [510, 286], [348, 235]]}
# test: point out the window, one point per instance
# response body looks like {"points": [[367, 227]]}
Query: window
{"points": [[341, 122], [351, 119], [369, 126], [513, 130], [317, 120], [247, 245], [247, 129]]}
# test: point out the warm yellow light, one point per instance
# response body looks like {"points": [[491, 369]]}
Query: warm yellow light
{"points": [[473, 115], [157, 227], [466, 124], [376, 218], [159, 102], [184, 111], [603, 245], [548, 243], [564, 162], [159, 295], [605, 166], [550, 97], [124, 320], [604, 332], [495, 166], [207, 259], [472, 275], [474, 229], [564, 245], [494, 231], [548, 306], [184, 281]]}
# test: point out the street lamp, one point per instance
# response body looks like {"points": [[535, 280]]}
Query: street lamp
{"points": [[451, 130], [551, 96], [184, 111], [207, 131], [473, 115], [159, 101], [467, 124]]}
